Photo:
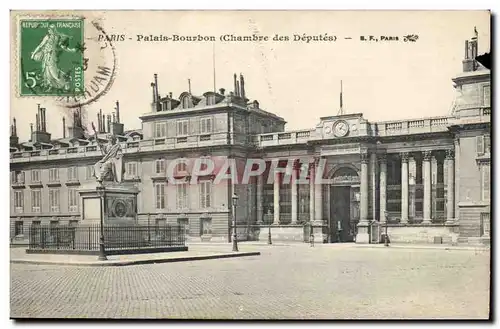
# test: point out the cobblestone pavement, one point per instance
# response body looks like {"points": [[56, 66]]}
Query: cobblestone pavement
{"points": [[285, 282]]}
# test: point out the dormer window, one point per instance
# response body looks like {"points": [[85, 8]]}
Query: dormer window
{"points": [[211, 100], [185, 102]]}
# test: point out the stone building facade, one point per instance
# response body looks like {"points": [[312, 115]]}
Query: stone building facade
{"points": [[426, 179]]}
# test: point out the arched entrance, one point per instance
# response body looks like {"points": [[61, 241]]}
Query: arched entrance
{"points": [[344, 204]]}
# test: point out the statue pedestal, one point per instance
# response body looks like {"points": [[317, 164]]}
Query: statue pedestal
{"points": [[116, 204]]}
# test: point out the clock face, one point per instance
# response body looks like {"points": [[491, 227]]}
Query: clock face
{"points": [[341, 128]]}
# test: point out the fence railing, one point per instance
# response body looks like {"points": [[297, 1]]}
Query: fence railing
{"points": [[116, 237]]}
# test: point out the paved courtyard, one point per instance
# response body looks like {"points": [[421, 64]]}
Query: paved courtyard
{"points": [[284, 282]]}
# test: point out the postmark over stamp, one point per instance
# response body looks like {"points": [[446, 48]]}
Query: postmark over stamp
{"points": [[51, 57]]}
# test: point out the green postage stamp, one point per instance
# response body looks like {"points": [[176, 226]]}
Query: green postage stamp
{"points": [[51, 57]]}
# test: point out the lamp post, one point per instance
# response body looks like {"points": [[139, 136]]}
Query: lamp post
{"points": [[269, 241], [235, 238], [102, 251]]}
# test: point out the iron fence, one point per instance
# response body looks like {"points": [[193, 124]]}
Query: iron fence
{"points": [[116, 237]]}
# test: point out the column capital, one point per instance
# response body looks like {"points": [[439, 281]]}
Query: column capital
{"points": [[364, 158], [427, 155], [382, 158], [450, 154], [405, 156]]}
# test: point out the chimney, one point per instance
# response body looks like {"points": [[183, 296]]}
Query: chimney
{"points": [[235, 85], [109, 123], [156, 88], [466, 49], [238, 89], [31, 128], [170, 94], [38, 117], [154, 96], [44, 120], [99, 123], [114, 118], [118, 111], [64, 127], [222, 91], [242, 85], [14, 140]]}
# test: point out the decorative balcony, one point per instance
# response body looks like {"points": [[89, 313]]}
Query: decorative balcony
{"points": [[414, 126]]}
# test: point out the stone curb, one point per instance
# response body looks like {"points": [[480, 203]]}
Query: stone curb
{"points": [[135, 262], [464, 248]]}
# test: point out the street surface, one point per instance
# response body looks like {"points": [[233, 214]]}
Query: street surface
{"points": [[285, 282]]}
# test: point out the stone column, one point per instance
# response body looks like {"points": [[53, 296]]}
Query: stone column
{"points": [[457, 175], [373, 179], [450, 208], [383, 187], [260, 199], [294, 192], [312, 174], [318, 196], [276, 220], [363, 236], [426, 164], [404, 187]]}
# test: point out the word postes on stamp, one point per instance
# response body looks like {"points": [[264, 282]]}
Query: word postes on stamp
{"points": [[51, 60]]}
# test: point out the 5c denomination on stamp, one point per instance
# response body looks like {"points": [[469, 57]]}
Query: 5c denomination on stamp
{"points": [[52, 63]]}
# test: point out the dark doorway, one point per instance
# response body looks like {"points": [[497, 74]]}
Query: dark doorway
{"points": [[340, 217]]}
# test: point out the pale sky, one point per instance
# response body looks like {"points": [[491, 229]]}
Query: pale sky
{"points": [[297, 81]]}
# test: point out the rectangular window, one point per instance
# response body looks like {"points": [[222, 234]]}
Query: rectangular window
{"points": [[72, 173], [485, 224], [205, 194], [73, 200], [54, 200], [184, 223], [18, 229], [160, 195], [206, 226], [485, 182], [160, 129], [36, 200], [17, 177], [486, 95], [54, 224], [19, 201], [160, 166], [131, 169], [486, 143], [182, 127], [182, 197], [206, 125], [35, 176], [54, 175], [181, 167], [89, 172]]}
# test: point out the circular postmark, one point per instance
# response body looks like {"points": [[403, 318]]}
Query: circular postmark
{"points": [[70, 60], [99, 66]]}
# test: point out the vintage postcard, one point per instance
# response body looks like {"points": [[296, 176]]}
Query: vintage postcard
{"points": [[250, 164]]}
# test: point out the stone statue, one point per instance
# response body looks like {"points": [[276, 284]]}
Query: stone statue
{"points": [[110, 167]]}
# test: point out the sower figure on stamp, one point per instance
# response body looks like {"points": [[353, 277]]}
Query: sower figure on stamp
{"points": [[48, 52], [110, 167]]}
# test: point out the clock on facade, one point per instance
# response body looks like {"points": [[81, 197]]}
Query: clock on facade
{"points": [[340, 128]]}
